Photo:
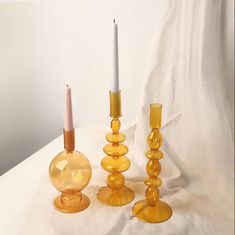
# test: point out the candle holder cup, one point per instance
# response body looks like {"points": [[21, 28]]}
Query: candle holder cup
{"points": [[115, 193], [70, 172], [152, 209]]}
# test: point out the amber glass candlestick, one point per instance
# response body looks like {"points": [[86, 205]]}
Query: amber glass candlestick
{"points": [[115, 193], [152, 209], [70, 172]]}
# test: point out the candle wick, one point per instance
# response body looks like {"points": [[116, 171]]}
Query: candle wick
{"points": [[113, 20]]}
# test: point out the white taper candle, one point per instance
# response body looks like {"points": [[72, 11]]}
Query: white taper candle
{"points": [[115, 82]]}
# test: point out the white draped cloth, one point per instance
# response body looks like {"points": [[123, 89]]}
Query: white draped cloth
{"points": [[186, 73]]}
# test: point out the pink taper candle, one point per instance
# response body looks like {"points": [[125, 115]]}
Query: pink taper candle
{"points": [[68, 117]]}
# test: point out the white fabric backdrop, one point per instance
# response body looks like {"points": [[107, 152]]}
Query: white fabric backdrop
{"points": [[186, 72]]}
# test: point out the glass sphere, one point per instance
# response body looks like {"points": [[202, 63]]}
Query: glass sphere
{"points": [[115, 125], [115, 181], [152, 195], [153, 168], [155, 139], [70, 172]]}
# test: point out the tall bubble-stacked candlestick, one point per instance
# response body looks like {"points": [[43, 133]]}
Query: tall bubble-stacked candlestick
{"points": [[70, 170], [115, 193], [152, 209]]}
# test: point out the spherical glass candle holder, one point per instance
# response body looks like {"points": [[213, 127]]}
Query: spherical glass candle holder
{"points": [[70, 172]]}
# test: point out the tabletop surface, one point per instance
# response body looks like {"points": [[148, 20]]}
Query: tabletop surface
{"points": [[27, 195]]}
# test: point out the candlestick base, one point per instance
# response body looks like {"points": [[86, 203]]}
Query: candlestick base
{"points": [[152, 214], [115, 197], [71, 203]]}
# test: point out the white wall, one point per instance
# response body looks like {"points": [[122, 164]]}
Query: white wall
{"points": [[46, 44]]}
